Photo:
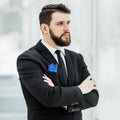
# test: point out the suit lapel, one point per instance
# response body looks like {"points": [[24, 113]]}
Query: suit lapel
{"points": [[48, 57], [70, 71], [45, 53]]}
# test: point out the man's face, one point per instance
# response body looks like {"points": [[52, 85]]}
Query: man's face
{"points": [[59, 29]]}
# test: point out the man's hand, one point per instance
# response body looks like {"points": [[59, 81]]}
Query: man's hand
{"points": [[48, 81], [87, 85]]}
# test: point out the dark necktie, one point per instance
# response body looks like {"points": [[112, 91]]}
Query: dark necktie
{"points": [[61, 68]]}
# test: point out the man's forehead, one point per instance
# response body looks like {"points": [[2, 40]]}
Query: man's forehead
{"points": [[59, 16]]}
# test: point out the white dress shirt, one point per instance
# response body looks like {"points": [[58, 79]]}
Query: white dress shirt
{"points": [[52, 50]]}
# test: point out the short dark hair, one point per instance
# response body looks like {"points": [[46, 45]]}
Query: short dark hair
{"points": [[48, 10]]}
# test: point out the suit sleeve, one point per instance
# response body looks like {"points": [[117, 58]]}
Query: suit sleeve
{"points": [[30, 75], [90, 99]]}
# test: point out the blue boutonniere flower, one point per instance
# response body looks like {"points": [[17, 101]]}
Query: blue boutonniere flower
{"points": [[52, 67]]}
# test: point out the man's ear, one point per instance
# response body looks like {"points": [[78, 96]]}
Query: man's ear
{"points": [[44, 28]]}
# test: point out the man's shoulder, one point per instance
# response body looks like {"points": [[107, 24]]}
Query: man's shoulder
{"points": [[29, 53], [32, 51]]}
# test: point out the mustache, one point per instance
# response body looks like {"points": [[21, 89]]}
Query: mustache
{"points": [[65, 33]]}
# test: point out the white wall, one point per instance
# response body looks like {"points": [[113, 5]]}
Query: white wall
{"points": [[108, 58]]}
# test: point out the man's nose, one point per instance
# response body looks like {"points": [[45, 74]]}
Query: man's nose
{"points": [[66, 27]]}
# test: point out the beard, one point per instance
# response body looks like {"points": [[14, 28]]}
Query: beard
{"points": [[59, 41]]}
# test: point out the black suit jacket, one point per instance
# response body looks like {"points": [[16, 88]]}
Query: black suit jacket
{"points": [[45, 102]]}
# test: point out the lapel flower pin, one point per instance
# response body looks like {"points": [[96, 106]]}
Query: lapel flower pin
{"points": [[52, 67]]}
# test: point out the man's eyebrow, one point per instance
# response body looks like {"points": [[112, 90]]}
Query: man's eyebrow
{"points": [[62, 21]]}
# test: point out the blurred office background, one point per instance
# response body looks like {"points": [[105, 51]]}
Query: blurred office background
{"points": [[95, 29]]}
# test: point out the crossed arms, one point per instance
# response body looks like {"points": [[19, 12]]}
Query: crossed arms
{"points": [[86, 87], [50, 95]]}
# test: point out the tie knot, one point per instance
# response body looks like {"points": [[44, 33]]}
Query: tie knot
{"points": [[57, 52]]}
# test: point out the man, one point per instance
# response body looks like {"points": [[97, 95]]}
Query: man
{"points": [[56, 84]]}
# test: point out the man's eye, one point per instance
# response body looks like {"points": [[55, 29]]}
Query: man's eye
{"points": [[61, 23], [68, 22]]}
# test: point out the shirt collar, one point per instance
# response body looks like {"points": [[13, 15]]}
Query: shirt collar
{"points": [[62, 50], [51, 49]]}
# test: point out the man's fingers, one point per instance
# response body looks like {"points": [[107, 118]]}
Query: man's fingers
{"points": [[89, 77], [45, 77], [48, 80]]}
